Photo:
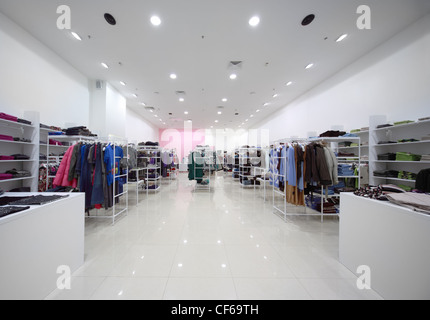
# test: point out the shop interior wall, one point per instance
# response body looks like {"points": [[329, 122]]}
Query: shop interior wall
{"points": [[392, 80], [34, 78]]}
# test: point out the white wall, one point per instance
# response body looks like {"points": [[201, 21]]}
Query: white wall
{"points": [[392, 80], [116, 106], [34, 78], [138, 129]]}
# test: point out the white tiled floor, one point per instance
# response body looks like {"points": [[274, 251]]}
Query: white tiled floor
{"points": [[224, 245]]}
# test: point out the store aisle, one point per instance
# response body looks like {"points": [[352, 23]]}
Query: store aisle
{"points": [[227, 245]]}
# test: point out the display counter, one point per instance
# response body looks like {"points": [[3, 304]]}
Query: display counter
{"points": [[392, 241], [34, 243]]}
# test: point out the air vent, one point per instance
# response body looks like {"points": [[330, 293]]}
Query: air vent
{"points": [[149, 109], [181, 93], [234, 65], [110, 19]]}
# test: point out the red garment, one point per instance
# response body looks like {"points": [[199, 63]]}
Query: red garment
{"points": [[62, 177]]}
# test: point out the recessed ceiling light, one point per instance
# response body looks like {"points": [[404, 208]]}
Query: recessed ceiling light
{"points": [[143, 104], [219, 112], [152, 111], [123, 83], [310, 65], [266, 104], [186, 112], [212, 127], [289, 83], [164, 123], [254, 21], [173, 76], [135, 95], [216, 121], [342, 37], [156, 116], [275, 95], [76, 36], [224, 100], [252, 116], [181, 99], [257, 111], [190, 120], [243, 124], [104, 65], [233, 76], [246, 120], [161, 120], [155, 20]]}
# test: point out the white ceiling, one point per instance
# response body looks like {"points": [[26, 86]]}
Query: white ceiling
{"points": [[198, 38]]}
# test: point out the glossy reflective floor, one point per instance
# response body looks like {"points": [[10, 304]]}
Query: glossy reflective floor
{"points": [[179, 244]]}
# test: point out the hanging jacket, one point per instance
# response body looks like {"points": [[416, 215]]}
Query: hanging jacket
{"points": [[325, 179], [62, 176]]}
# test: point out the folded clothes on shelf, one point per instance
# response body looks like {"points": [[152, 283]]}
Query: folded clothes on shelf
{"points": [[18, 173], [5, 158], [386, 125], [22, 140], [8, 117], [403, 122], [56, 133], [425, 157], [387, 142], [332, 134], [20, 157], [6, 138], [407, 175], [23, 121], [386, 173], [424, 119], [406, 156], [6, 176], [387, 157], [407, 140]]}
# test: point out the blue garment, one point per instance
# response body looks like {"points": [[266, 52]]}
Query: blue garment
{"points": [[119, 155], [109, 163], [291, 167], [97, 196], [350, 135], [284, 167]]}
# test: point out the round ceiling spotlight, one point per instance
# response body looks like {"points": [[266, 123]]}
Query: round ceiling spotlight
{"points": [[110, 19], [308, 20], [254, 21], [155, 20]]}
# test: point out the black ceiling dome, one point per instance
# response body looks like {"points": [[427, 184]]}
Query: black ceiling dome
{"points": [[110, 19], [308, 20]]}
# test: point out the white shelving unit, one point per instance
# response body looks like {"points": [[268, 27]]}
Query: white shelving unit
{"points": [[248, 161], [30, 149], [151, 152], [393, 134]]}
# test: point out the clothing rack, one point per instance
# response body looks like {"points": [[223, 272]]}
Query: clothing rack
{"points": [[276, 176], [123, 143], [156, 168], [63, 138], [201, 157]]}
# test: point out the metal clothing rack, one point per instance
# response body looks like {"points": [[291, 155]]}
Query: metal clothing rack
{"points": [[61, 138], [116, 141], [334, 141], [243, 159], [284, 211], [157, 167], [206, 161]]}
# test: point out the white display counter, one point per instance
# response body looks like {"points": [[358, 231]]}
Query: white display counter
{"points": [[393, 241], [35, 242]]}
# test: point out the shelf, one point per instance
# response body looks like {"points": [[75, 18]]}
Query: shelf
{"points": [[404, 125], [401, 143], [18, 142], [395, 179], [9, 161], [16, 179], [344, 177], [53, 146], [384, 161], [335, 139], [73, 138], [16, 125]]}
